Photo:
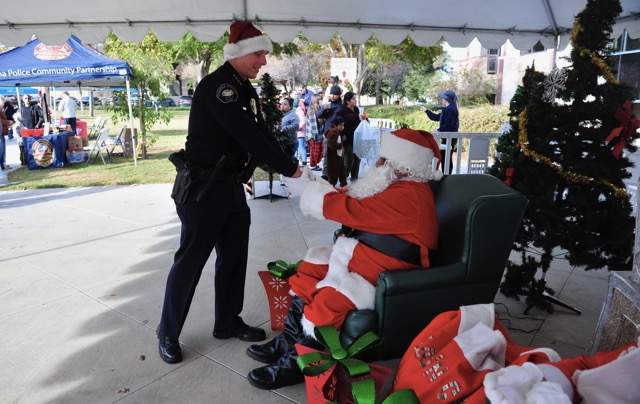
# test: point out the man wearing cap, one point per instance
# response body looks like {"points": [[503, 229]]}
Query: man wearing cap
{"points": [[448, 119], [389, 222], [227, 139], [67, 107]]}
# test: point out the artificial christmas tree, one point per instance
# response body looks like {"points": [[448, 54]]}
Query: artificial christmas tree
{"points": [[564, 152], [273, 117]]}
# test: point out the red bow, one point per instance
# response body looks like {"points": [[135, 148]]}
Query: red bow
{"points": [[509, 172], [626, 131]]}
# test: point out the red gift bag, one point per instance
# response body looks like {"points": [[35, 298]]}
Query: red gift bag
{"points": [[278, 296]]}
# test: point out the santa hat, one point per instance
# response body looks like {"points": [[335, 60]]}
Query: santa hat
{"points": [[414, 149], [244, 39]]}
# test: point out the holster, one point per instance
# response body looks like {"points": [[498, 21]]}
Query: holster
{"points": [[184, 177]]}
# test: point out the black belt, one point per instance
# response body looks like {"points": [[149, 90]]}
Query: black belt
{"points": [[388, 244]]}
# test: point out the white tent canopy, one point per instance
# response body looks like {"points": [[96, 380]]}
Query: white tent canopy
{"points": [[522, 22]]}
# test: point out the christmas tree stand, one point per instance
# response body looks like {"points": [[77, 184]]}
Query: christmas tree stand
{"points": [[270, 195], [539, 290]]}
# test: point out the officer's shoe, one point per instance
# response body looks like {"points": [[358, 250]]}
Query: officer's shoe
{"points": [[169, 350], [243, 332]]}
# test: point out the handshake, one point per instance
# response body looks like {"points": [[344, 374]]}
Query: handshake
{"points": [[296, 186]]}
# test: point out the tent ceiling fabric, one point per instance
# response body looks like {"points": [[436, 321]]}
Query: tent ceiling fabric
{"points": [[523, 22]]}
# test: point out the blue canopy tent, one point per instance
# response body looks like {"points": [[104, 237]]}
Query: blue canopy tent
{"points": [[70, 64]]}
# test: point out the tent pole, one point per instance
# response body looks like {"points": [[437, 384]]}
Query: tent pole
{"points": [[131, 125], [18, 97]]}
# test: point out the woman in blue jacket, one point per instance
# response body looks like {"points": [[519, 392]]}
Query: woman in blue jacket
{"points": [[448, 119]]}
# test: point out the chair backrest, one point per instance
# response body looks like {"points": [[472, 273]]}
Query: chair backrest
{"points": [[476, 212], [103, 135], [478, 155]]}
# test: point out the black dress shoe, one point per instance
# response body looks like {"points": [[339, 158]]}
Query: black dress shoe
{"points": [[269, 352], [243, 332], [283, 373], [169, 350]]}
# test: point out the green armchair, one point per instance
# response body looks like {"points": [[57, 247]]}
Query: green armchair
{"points": [[479, 217]]}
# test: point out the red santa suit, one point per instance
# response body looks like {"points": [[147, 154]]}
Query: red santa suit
{"points": [[466, 355], [334, 280]]}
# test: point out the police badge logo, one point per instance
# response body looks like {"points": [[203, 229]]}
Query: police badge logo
{"points": [[43, 152], [227, 93]]}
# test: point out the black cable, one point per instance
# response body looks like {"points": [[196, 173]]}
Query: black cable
{"points": [[507, 322]]}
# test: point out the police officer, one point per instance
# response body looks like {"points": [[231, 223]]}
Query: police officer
{"points": [[227, 138]]}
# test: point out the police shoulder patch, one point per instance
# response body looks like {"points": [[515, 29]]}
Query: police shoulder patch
{"points": [[227, 93]]}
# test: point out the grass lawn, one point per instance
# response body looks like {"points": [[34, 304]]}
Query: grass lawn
{"points": [[155, 169]]}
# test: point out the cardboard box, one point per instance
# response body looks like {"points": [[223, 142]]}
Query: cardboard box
{"points": [[77, 156], [127, 142], [75, 143]]}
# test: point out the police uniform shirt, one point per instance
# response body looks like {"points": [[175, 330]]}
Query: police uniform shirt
{"points": [[226, 119]]}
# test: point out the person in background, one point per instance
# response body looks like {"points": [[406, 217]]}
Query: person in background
{"points": [[305, 94], [313, 134], [289, 123], [448, 119], [301, 113], [67, 107], [9, 110], [325, 115], [3, 146], [335, 150], [227, 139], [351, 114], [31, 117]]}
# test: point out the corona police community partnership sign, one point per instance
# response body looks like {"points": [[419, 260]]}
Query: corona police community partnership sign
{"points": [[59, 52]]}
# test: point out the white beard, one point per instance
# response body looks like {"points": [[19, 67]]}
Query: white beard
{"points": [[375, 180]]}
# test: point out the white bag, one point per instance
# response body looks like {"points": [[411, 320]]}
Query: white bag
{"points": [[339, 151], [365, 143]]}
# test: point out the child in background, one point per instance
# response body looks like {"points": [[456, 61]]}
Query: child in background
{"points": [[335, 164]]}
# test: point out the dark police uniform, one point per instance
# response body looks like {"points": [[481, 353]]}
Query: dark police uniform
{"points": [[225, 120]]}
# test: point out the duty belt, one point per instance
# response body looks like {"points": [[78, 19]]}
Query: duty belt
{"points": [[388, 244]]}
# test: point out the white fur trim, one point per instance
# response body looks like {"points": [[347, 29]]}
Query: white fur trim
{"points": [[312, 200], [614, 382], [358, 290], [308, 327], [341, 255], [406, 153], [247, 46], [483, 347], [318, 255], [474, 314], [551, 354], [555, 375]]}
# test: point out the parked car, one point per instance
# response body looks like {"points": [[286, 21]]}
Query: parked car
{"points": [[185, 101], [166, 102]]}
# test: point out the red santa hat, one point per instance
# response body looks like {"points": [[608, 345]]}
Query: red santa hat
{"points": [[414, 149], [244, 38]]}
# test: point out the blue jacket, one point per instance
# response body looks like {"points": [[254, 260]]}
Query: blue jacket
{"points": [[290, 122], [448, 118]]}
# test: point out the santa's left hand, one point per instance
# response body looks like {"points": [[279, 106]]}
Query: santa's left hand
{"points": [[296, 186]]}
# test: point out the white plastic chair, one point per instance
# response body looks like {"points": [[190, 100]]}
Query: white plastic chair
{"points": [[478, 155], [114, 141], [98, 147]]}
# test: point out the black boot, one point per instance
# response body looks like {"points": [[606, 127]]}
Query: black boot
{"points": [[169, 350], [284, 372], [274, 349]]}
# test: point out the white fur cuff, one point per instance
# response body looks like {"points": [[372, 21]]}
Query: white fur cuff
{"points": [[312, 200]]}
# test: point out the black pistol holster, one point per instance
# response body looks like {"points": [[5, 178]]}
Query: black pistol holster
{"points": [[184, 178]]}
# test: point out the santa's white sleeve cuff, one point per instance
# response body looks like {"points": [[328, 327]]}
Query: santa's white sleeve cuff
{"points": [[312, 200]]}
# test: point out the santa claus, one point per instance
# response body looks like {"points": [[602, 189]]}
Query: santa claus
{"points": [[391, 223]]}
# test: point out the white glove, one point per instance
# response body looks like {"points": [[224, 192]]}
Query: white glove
{"points": [[296, 186]]}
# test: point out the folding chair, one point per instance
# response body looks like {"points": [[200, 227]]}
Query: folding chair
{"points": [[97, 126], [114, 141], [99, 146]]}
